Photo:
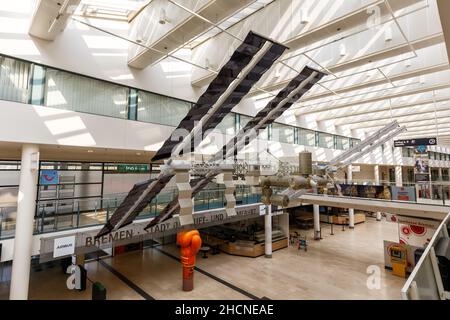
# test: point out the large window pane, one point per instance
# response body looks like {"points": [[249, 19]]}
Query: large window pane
{"points": [[160, 109], [227, 125], [326, 140], [14, 80], [282, 133], [342, 143], [306, 137], [78, 93]]}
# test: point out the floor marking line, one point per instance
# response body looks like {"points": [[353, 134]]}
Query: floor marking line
{"points": [[127, 281], [206, 273]]}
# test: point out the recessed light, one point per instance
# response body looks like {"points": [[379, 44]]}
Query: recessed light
{"points": [[138, 153], [90, 151]]}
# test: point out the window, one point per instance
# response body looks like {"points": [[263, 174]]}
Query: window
{"points": [[355, 142], [342, 143], [73, 92], [14, 80], [227, 125], [306, 137], [325, 140], [282, 133], [155, 108]]}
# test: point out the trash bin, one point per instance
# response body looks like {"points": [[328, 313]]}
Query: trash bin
{"points": [[98, 291], [417, 254], [65, 263]]}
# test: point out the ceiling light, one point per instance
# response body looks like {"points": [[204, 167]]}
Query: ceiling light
{"points": [[342, 50], [388, 35], [163, 17], [138, 153], [304, 17], [90, 151]]}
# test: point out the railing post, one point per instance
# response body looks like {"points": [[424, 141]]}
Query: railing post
{"points": [[78, 214]]}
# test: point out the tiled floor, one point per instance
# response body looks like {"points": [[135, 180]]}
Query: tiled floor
{"points": [[333, 268]]}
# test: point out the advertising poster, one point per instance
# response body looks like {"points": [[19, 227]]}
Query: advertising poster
{"points": [[421, 166], [415, 231], [48, 177], [403, 193], [372, 192], [349, 190]]}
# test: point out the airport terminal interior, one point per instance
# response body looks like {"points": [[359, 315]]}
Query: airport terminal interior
{"points": [[224, 150]]}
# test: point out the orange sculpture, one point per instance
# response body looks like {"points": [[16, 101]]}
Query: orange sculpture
{"points": [[190, 243]]}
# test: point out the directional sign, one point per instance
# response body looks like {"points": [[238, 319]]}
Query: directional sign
{"points": [[415, 142]]}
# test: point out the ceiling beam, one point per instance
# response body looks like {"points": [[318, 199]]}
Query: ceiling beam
{"points": [[300, 111], [353, 113], [349, 120], [51, 17]]}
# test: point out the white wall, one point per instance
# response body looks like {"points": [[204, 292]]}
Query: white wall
{"points": [[23, 123]]}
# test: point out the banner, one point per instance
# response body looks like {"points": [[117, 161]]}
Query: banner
{"points": [[415, 231], [411, 252], [372, 192], [403, 193]]}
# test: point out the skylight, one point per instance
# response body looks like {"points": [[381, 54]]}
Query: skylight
{"points": [[239, 16], [123, 10]]}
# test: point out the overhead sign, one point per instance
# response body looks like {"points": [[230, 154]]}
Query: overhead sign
{"points": [[48, 177], [356, 168], [130, 168], [64, 246], [415, 142]]}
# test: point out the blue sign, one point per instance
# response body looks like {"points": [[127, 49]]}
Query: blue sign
{"points": [[421, 150], [49, 177]]}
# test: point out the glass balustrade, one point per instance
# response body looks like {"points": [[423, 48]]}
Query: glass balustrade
{"points": [[64, 214]]}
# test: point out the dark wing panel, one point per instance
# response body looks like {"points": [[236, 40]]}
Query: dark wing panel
{"points": [[136, 200], [229, 72], [258, 120], [264, 64]]}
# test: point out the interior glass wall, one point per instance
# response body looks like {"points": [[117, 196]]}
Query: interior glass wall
{"points": [[155, 108], [325, 140], [306, 137], [73, 92], [14, 79], [282, 133], [27, 82]]}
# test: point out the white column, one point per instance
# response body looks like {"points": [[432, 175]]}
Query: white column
{"points": [[398, 176], [351, 211], [20, 274], [316, 221], [268, 232], [349, 174], [376, 174], [351, 218]]}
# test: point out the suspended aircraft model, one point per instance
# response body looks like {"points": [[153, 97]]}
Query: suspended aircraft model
{"points": [[249, 62]]}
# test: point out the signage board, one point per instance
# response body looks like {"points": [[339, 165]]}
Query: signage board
{"points": [[421, 151], [415, 142], [133, 168], [64, 246], [403, 193], [49, 177], [356, 168]]}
